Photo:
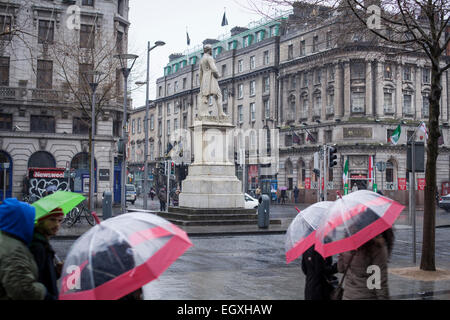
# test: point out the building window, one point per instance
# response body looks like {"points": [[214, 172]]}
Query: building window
{"points": [[6, 122], [357, 70], [46, 31], [184, 122], [152, 122], [44, 77], [328, 136], [266, 83], [159, 128], [406, 73], [139, 125], [293, 82], [425, 106], [88, 3], [4, 71], [388, 108], [240, 91], [80, 125], [168, 127], [5, 28], [168, 108], [389, 172], [252, 112], [240, 114], [240, 65], [315, 46], [426, 75], [43, 124], [358, 100], [266, 57], [87, 36], [197, 80], [388, 71], [152, 151], [302, 48], [252, 87], [224, 70], [133, 126], [305, 79], [290, 51], [267, 109], [120, 6], [84, 77], [407, 103], [318, 76], [160, 91], [252, 62], [329, 35], [331, 72]]}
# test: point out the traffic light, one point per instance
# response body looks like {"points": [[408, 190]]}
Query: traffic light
{"points": [[332, 157], [172, 168], [316, 172]]}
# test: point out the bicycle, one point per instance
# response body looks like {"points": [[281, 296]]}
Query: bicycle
{"points": [[76, 213]]}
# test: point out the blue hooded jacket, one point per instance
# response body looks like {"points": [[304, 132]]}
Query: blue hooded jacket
{"points": [[17, 218]]}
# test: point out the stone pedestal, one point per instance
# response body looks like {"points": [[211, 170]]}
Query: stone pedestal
{"points": [[212, 182]]}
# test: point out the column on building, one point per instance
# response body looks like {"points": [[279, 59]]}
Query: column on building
{"points": [[444, 109], [418, 102], [323, 92], [339, 90], [347, 104], [369, 86], [379, 90], [398, 91]]}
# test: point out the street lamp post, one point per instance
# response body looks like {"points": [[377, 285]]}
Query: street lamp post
{"points": [[93, 78], [147, 82], [123, 58]]}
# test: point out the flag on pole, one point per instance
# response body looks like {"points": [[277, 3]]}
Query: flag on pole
{"points": [[188, 40], [370, 168], [423, 128], [345, 174], [224, 19], [310, 137], [295, 138], [396, 135]]}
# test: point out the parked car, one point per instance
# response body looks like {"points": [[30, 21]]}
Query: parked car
{"points": [[444, 202], [250, 202], [130, 193]]}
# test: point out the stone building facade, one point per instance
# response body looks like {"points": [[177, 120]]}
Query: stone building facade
{"points": [[41, 125], [317, 84]]}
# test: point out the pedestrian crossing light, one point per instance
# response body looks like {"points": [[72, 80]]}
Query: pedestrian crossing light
{"points": [[172, 168], [332, 157]]}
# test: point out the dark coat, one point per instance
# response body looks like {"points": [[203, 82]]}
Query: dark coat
{"points": [[44, 256], [317, 270], [162, 195]]}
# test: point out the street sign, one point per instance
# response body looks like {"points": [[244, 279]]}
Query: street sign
{"points": [[381, 166], [375, 188]]}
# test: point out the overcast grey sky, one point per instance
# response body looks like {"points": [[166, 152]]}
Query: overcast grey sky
{"points": [[153, 20]]}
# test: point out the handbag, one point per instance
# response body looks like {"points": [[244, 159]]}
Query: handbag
{"points": [[338, 292]]}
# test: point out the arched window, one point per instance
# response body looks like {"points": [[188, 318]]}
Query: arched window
{"points": [[41, 159]]}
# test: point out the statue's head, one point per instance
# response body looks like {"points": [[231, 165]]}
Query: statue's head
{"points": [[207, 48]]}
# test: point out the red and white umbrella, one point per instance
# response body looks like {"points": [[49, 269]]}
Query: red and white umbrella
{"points": [[119, 256], [300, 235], [361, 215]]}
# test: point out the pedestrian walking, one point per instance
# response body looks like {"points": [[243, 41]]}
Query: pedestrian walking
{"points": [[162, 195], [376, 253], [18, 270], [283, 196], [319, 274], [49, 270], [152, 193], [258, 192], [296, 192]]}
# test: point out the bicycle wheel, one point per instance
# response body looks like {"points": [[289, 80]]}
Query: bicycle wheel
{"points": [[72, 217], [89, 217]]}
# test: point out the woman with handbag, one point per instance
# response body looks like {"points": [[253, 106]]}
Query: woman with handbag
{"points": [[319, 275], [354, 265]]}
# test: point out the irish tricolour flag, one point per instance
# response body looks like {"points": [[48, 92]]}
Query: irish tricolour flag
{"points": [[345, 174], [396, 135]]}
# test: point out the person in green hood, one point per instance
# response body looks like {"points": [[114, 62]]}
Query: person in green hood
{"points": [[44, 255], [18, 270]]}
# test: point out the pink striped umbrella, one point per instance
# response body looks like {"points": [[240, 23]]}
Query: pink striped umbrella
{"points": [[120, 255], [300, 235], [353, 220]]}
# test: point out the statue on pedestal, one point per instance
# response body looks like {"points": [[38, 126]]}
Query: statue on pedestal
{"points": [[209, 85]]}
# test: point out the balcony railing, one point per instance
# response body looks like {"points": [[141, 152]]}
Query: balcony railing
{"points": [[389, 110], [316, 112], [46, 95], [425, 113], [303, 115]]}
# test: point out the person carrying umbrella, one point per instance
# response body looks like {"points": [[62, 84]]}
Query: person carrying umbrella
{"points": [[18, 270], [375, 252], [44, 255]]}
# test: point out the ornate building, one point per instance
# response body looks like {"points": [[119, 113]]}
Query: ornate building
{"points": [[41, 122]]}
